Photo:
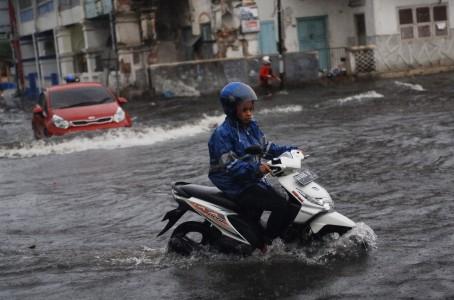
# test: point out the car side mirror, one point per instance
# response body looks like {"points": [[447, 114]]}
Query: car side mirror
{"points": [[254, 150], [122, 100], [37, 109]]}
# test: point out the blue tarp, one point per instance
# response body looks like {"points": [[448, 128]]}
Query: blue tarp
{"points": [[7, 85]]}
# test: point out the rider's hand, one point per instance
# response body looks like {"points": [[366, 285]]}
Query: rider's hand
{"points": [[264, 169]]}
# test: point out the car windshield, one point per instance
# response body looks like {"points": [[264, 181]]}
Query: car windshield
{"points": [[80, 96]]}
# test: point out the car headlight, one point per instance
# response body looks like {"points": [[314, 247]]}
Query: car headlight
{"points": [[119, 115], [60, 122]]}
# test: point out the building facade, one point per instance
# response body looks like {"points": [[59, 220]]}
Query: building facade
{"points": [[57, 39], [120, 42], [370, 35], [6, 55]]}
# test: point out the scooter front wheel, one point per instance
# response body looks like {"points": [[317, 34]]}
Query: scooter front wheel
{"points": [[189, 237]]}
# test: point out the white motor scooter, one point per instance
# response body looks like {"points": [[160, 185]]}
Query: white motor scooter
{"points": [[225, 229]]}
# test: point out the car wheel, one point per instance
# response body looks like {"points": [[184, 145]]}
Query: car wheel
{"points": [[37, 134], [46, 133]]}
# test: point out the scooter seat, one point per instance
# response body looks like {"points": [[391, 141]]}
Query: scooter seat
{"points": [[206, 193]]}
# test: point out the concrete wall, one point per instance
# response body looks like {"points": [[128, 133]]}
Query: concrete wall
{"points": [[26, 28], [27, 50], [46, 21], [127, 30], [300, 67], [70, 16], [48, 67], [393, 54], [208, 77]]}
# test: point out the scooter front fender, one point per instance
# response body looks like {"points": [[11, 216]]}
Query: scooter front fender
{"points": [[331, 220]]}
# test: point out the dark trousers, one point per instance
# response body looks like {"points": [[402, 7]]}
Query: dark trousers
{"points": [[255, 199], [266, 86]]}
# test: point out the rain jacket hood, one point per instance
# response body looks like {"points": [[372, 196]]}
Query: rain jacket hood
{"points": [[227, 145]]}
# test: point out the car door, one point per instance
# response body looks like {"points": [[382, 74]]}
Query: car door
{"points": [[40, 118]]}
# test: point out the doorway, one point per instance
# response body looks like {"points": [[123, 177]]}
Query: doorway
{"points": [[267, 38], [312, 35], [360, 26]]}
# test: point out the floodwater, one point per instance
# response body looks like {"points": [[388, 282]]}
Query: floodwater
{"points": [[79, 215]]}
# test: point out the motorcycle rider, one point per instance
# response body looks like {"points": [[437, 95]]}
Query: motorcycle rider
{"points": [[266, 76], [239, 175]]}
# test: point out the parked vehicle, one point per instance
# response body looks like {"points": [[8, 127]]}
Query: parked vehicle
{"points": [[78, 107], [225, 229]]}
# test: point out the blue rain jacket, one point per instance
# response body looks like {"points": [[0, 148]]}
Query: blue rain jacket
{"points": [[228, 172]]}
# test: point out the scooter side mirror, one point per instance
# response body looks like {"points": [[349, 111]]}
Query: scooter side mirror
{"points": [[37, 109], [254, 150], [122, 100]]}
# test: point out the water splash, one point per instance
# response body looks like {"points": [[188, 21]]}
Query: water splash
{"points": [[360, 97], [113, 139], [355, 243], [416, 87], [281, 109], [123, 137], [333, 247], [146, 256]]}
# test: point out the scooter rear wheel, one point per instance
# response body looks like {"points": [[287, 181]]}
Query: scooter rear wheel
{"points": [[189, 237]]}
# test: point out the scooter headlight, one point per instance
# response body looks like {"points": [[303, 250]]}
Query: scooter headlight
{"points": [[327, 204], [60, 122], [119, 115]]}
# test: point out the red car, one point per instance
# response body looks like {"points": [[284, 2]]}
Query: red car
{"points": [[77, 107]]}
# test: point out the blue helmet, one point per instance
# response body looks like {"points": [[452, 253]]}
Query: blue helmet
{"points": [[233, 94]]}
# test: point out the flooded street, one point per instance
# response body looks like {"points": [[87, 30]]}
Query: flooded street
{"points": [[80, 214]]}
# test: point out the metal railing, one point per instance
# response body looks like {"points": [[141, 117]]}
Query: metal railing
{"points": [[338, 57], [331, 59], [340, 60]]}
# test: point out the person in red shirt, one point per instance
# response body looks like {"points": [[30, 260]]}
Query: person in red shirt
{"points": [[266, 76]]}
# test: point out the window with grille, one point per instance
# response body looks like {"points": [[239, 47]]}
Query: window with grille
{"points": [[25, 4], [48, 47], [45, 6], [26, 10], [423, 22]]}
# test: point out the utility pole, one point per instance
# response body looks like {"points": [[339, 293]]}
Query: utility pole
{"points": [[114, 46], [280, 44], [36, 48], [56, 47], [16, 48]]}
